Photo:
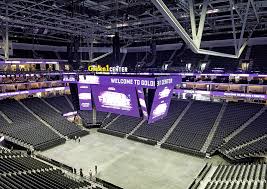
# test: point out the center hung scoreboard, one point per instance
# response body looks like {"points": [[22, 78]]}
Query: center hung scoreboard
{"points": [[138, 96]]}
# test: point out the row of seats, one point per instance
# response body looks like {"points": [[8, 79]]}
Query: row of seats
{"points": [[100, 116], [252, 132], [87, 117], [15, 163], [195, 126], [124, 124], [60, 103], [231, 176], [108, 119], [236, 185], [25, 172], [157, 130], [243, 172], [229, 122], [192, 131], [25, 127], [53, 118], [257, 148]]}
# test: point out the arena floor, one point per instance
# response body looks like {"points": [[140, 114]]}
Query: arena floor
{"points": [[129, 164]]}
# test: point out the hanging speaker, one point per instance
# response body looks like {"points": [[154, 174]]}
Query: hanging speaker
{"points": [[116, 50]]}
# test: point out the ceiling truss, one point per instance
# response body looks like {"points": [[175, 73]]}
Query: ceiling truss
{"points": [[96, 21]]}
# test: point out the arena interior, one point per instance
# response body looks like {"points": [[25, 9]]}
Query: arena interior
{"points": [[133, 94]]}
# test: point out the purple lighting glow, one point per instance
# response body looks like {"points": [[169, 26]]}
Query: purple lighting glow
{"points": [[119, 100]]}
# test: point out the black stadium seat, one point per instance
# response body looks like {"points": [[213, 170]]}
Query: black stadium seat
{"points": [[41, 136], [193, 129], [24, 172], [53, 118]]}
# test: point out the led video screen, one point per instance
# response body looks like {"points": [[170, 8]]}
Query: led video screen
{"points": [[85, 97], [142, 102], [119, 100], [161, 103]]}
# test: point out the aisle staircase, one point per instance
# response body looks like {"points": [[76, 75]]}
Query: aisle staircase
{"points": [[175, 124], [214, 129]]}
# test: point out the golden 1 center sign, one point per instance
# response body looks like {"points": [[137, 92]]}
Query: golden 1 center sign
{"points": [[107, 68]]}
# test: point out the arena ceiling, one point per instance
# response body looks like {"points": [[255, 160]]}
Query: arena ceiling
{"points": [[135, 20]]}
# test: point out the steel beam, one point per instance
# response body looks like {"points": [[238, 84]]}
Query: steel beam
{"points": [[255, 10], [27, 8], [202, 22], [163, 9], [243, 26], [6, 36], [233, 25], [192, 19], [181, 31]]}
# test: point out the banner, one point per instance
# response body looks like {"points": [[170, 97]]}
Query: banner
{"points": [[116, 99], [222, 94], [118, 81], [85, 96], [161, 103], [142, 102], [168, 80]]}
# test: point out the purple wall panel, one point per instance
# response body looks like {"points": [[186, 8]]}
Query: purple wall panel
{"points": [[85, 96], [142, 102]]}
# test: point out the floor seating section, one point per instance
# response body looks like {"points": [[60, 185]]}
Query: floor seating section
{"points": [[195, 126], [24, 172], [156, 131], [53, 118], [60, 103], [25, 127], [229, 122], [124, 124]]}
